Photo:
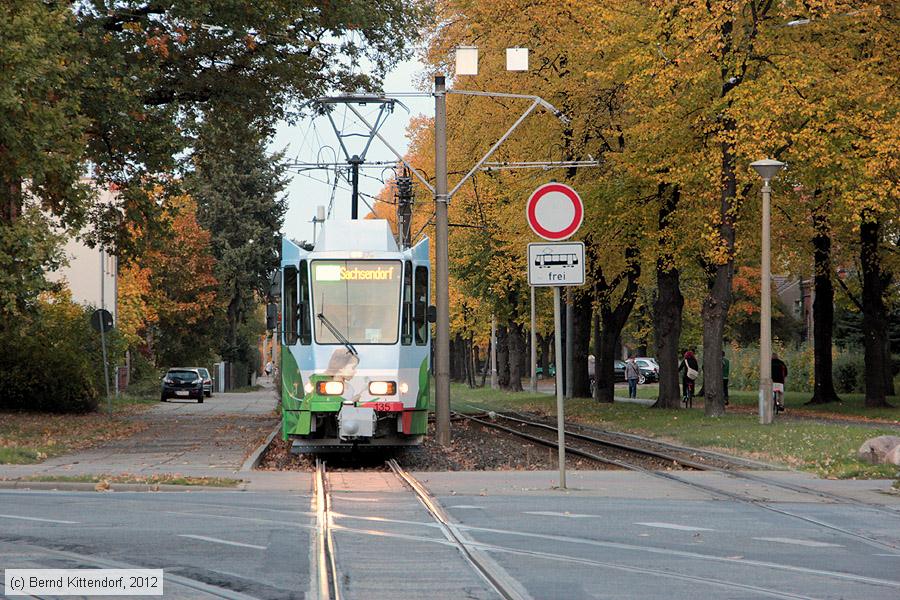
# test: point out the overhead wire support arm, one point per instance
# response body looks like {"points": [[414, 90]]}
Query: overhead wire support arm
{"points": [[399, 156], [535, 104], [549, 107], [545, 165]]}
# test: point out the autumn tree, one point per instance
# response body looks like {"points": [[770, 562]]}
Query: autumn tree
{"points": [[238, 186], [169, 297]]}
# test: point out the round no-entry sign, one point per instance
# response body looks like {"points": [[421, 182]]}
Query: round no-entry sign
{"points": [[554, 211]]}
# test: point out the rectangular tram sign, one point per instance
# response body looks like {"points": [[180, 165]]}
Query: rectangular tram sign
{"points": [[556, 263]]}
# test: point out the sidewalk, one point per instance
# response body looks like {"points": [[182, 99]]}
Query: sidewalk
{"points": [[212, 439]]}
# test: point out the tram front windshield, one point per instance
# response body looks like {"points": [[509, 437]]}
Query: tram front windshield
{"points": [[361, 299]]}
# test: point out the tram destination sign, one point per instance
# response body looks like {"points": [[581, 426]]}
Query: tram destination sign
{"points": [[556, 264]]}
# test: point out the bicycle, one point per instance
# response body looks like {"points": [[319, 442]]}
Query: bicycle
{"points": [[687, 397], [777, 398]]}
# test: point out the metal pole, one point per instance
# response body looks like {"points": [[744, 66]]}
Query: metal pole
{"points": [[560, 415], [354, 207], [442, 275], [765, 321], [570, 345], [103, 328], [533, 345], [494, 382]]}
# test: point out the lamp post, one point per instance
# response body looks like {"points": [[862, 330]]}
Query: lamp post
{"points": [[767, 169]]}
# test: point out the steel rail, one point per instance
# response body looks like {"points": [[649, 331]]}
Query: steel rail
{"points": [[618, 445], [802, 489], [328, 579], [498, 579], [714, 491]]}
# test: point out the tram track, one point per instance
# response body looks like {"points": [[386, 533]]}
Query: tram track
{"points": [[735, 467], [712, 490], [328, 577], [478, 553]]}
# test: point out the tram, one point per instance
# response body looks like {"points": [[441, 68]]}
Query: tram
{"points": [[355, 339]]}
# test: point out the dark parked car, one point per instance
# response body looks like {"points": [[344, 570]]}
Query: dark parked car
{"points": [[207, 380], [182, 383], [649, 369], [619, 370]]}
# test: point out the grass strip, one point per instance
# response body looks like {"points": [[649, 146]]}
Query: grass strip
{"points": [[829, 450], [223, 482], [32, 437]]}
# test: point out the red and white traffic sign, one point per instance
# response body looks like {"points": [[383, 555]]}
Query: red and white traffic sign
{"points": [[554, 211]]}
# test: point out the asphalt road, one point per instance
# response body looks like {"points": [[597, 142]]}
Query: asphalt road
{"points": [[614, 535], [256, 544]]}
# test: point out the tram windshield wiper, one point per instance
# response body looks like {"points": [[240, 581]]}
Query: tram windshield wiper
{"points": [[337, 334]]}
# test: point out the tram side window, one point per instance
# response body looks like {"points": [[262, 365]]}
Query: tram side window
{"points": [[289, 316], [421, 289], [305, 326], [407, 330]]}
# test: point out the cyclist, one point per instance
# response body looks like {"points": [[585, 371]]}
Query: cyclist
{"points": [[779, 374], [690, 370]]}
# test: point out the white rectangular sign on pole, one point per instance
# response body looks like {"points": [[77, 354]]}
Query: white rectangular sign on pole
{"points": [[556, 263]]}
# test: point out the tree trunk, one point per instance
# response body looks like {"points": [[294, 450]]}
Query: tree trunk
{"points": [[667, 306], [502, 357], [888, 364], [595, 327], [581, 326], [516, 346], [10, 198], [473, 353], [875, 322], [719, 279], [612, 318], [823, 308], [487, 363], [544, 354], [607, 348]]}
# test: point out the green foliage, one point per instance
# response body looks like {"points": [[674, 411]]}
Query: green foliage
{"points": [[41, 125], [238, 187], [848, 371], [142, 369], [745, 367], [56, 366], [27, 250]]}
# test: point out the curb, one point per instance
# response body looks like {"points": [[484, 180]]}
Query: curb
{"points": [[84, 486], [254, 459]]}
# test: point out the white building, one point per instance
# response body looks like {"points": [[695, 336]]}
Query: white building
{"points": [[91, 274]]}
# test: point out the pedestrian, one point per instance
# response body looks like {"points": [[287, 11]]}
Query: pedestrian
{"points": [[779, 374], [726, 367], [632, 374], [690, 371], [269, 367]]}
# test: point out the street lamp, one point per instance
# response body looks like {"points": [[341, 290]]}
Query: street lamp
{"points": [[767, 169]]}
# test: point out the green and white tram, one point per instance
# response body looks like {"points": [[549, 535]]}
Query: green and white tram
{"points": [[355, 340]]}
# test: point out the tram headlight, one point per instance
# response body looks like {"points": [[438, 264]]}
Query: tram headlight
{"points": [[404, 387], [330, 388], [382, 388], [308, 388]]}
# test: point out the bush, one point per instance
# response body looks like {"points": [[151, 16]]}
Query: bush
{"points": [[51, 360], [847, 369], [848, 372]]}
